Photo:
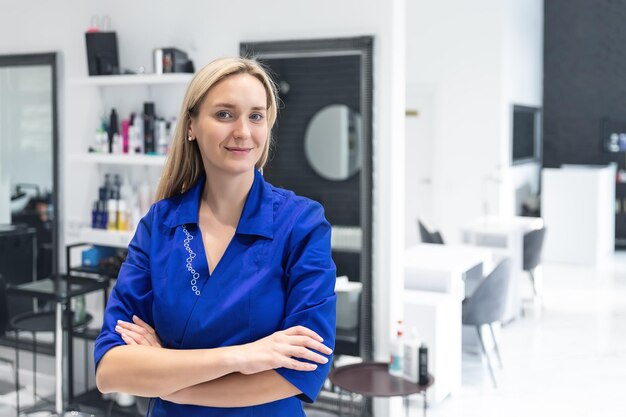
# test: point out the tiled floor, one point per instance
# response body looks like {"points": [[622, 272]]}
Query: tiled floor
{"points": [[570, 361]]}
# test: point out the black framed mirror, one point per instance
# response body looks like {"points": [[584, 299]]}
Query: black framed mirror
{"points": [[325, 84], [29, 181], [332, 142]]}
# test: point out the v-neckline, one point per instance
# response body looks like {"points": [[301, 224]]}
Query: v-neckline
{"points": [[206, 255]]}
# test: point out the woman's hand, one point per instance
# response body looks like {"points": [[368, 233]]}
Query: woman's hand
{"points": [[280, 350], [137, 333]]}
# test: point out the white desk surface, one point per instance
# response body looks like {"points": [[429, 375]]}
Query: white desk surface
{"points": [[445, 257], [503, 225]]}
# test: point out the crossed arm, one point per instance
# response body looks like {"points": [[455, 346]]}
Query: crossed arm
{"points": [[234, 376]]}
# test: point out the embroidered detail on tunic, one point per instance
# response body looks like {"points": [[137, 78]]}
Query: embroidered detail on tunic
{"points": [[194, 275]]}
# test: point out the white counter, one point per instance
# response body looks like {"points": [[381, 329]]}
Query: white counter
{"points": [[578, 206]]}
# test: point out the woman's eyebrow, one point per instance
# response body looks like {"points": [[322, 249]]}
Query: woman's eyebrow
{"points": [[232, 106]]}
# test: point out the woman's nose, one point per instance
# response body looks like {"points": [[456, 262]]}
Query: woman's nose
{"points": [[241, 129]]}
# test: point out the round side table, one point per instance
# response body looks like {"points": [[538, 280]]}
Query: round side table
{"points": [[372, 379]]}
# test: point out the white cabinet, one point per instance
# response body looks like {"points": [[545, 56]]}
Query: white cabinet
{"points": [[89, 100], [578, 205]]}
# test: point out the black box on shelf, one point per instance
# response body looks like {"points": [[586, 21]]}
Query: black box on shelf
{"points": [[102, 55]]}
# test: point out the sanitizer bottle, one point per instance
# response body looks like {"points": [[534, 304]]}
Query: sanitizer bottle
{"points": [[410, 370], [396, 348]]}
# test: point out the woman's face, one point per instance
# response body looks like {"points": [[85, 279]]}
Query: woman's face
{"points": [[231, 126]]}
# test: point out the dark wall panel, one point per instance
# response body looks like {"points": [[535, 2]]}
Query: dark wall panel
{"points": [[584, 77], [584, 82], [313, 84]]}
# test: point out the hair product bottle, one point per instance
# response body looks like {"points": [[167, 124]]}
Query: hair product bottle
{"points": [[423, 374], [396, 349], [410, 370], [148, 128]]}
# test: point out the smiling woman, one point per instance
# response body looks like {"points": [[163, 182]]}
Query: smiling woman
{"points": [[230, 126], [225, 304]]}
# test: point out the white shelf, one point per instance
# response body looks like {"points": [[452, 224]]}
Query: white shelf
{"points": [[102, 237], [119, 159], [133, 79]]}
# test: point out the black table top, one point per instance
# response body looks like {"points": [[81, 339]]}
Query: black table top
{"points": [[68, 287], [373, 379]]}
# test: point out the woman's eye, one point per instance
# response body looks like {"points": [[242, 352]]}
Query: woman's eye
{"points": [[256, 116], [223, 115]]}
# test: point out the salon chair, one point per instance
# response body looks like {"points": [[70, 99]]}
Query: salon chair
{"points": [[428, 236], [533, 245], [486, 306], [32, 322]]}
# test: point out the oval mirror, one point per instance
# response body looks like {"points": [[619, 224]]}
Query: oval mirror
{"points": [[332, 142]]}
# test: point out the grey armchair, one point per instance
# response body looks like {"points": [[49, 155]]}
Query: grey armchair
{"points": [[486, 306], [428, 236], [533, 245]]}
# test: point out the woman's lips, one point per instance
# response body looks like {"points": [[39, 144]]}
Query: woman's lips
{"points": [[238, 151]]}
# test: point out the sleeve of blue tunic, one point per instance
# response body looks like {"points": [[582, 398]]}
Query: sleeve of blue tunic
{"points": [[311, 300], [132, 293]]}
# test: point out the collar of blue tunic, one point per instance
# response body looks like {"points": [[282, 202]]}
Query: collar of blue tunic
{"points": [[257, 217]]}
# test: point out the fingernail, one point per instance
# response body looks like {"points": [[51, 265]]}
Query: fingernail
{"points": [[118, 328]]}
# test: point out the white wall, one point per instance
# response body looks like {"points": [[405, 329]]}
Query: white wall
{"points": [[522, 83], [207, 32], [458, 52]]}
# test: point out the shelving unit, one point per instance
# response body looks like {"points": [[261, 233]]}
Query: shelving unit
{"points": [[119, 159], [89, 98], [132, 79], [112, 238]]}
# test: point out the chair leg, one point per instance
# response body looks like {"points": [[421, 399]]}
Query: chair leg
{"points": [[482, 345], [495, 345], [17, 372], [34, 369], [531, 272]]}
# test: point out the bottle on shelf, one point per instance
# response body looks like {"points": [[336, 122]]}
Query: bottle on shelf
{"points": [[423, 365], [396, 348], [410, 370], [113, 129], [148, 128], [125, 126]]}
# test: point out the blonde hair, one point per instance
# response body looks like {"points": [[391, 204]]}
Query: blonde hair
{"points": [[184, 167]]}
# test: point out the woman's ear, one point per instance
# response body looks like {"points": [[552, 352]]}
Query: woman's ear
{"points": [[190, 130]]}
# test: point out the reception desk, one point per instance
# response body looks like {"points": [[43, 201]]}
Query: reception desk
{"points": [[578, 206]]}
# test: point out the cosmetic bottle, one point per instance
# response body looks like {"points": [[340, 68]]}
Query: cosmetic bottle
{"points": [[423, 365], [410, 369], [103, 215], [122, 215], [162, 141], [125, 205], [112, 211], [144, 196], [95, 216], [113, 128], [138, 141], [125, 126], [148, 128], [135, 211], [396, 349]]}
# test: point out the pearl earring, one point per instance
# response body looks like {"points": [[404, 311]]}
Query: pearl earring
{"points": [[190, 138]]}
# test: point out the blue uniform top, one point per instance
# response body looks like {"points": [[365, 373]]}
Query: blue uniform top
{"points": [[276, 273]]}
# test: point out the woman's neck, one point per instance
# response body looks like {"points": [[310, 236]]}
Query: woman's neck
{"points": [[225, 195]]}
